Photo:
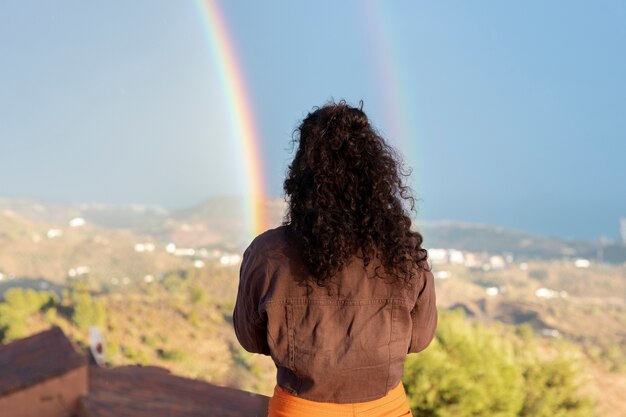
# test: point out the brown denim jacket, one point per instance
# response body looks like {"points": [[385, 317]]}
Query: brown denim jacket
{"points": [[344, 347]]}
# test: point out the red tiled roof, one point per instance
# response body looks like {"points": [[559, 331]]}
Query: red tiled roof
{"points": [[135, 391], [37, 358]]}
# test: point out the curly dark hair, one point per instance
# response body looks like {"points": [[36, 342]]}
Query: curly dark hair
{"points": [[347, 197]]}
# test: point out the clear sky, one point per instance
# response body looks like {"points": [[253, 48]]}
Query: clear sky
{"points": [[509, 113]]}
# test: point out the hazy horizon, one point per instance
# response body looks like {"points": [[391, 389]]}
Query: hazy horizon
{"points": [[174, 208]]}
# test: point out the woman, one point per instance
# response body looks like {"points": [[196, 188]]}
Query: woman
{"points": [[341, 292]]}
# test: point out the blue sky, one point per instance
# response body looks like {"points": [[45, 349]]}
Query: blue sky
{"points": [[509, 113]]}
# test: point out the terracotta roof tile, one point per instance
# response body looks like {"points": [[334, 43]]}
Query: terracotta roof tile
{"points": [[37, 358], [135, 391]]}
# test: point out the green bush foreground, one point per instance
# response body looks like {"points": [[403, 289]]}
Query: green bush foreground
{"points": [[470, 369], [474, 370]]}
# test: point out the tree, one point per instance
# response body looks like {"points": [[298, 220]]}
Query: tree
{"points": [[19, 304], [469, 370], [197, 295], [86, 311], [474, 370], [552, 390]]}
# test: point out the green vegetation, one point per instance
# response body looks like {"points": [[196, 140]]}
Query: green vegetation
{"points": [[477, 366], [553, 388], [86, 311], [18, 307], [474, 370], [197, 295], [174, 355]]}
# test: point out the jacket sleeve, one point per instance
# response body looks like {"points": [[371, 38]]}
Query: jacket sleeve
{"points": [[249, 323], [424, 315]]}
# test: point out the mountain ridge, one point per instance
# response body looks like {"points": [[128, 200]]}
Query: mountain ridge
{"points": [[219, 221]]}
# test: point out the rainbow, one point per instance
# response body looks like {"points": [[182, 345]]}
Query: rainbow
{"points": [[392, 81], [242, 121]]}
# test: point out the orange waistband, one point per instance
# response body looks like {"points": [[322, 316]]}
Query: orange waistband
{"points": [[394, 404]]}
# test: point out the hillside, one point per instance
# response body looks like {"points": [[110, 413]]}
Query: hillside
{"points": [[183, 322], [555, 298], [162, 285], [218, 222], [484, 238], [56, 252]]}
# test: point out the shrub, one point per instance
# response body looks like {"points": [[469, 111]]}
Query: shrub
{"points": [[474, 370], [174, 355]]}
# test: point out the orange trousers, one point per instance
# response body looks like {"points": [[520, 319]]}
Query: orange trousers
{"points": [[394, 404]]}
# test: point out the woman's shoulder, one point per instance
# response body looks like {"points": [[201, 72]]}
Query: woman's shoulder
{"points": [[271, 241], [270, 237]]}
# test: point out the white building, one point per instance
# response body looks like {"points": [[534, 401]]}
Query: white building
{"points": [[227, 260], [492, 291], [550, 332], [472, 260], [443, 274], [582, 263], [184, 252], [497, 262], [144, 247], [456, 257], [53, 233], [78, 271], [438, 256], [546, 293], [77, 222]]}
